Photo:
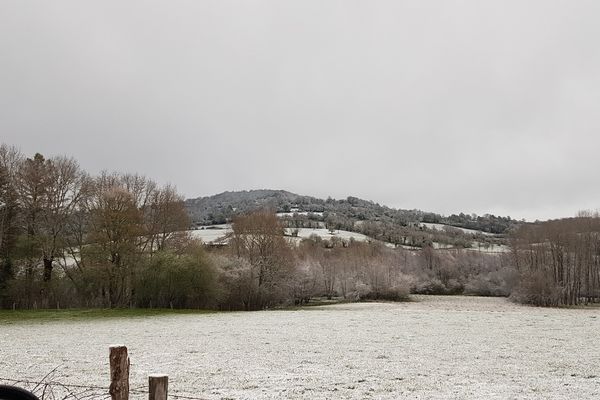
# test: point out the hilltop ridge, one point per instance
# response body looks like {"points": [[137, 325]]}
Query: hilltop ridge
{"points": [[399, 226]]}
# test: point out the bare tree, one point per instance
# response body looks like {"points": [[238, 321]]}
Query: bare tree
{"points": [[65, 185], [559, 261], [115, 226], [166, 219], [258, 237]]}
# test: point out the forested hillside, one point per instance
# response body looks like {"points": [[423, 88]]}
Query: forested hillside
{"points": [[221, 208], [397, 226]]}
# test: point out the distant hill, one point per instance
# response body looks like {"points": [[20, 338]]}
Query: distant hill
{"points": [[220, 208], [411, 227]]}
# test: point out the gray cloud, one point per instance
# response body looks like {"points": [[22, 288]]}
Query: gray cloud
{"points": [[446, 106]]}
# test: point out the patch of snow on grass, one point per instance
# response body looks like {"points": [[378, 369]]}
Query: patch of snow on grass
{"points": [[434, 348], [440, 227], [211, 235], [326, 234], [305, 213]]}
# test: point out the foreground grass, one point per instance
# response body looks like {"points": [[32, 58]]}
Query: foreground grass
{"points": [[10, 316], [44, 315]]}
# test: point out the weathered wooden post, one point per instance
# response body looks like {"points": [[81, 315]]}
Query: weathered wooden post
{"points": [[159, 385], [119, 373]]}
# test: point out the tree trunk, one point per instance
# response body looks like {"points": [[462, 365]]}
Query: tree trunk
{"points": [[48, 268]]}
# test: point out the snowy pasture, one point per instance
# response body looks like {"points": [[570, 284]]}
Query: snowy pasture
{"points": [[489, 247], [218, 232], [323, 233], [441, 227], [212, 235], [304, 213], [433, 348]]}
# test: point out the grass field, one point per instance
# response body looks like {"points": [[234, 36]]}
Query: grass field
{"points": [[434, 347], [18, 316]]}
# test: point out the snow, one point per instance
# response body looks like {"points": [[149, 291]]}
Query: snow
{"points": [[216, 233], [212, 234], [442, 246], [434, 348], [326, 234], [441, 227], [489, 247], [305, 213]]}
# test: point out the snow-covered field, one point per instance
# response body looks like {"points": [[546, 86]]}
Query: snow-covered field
{"points": [[327, 234], [441, 227], [220, 231], [490, 248], [434, 348], [217, 234], [212, 235], [305, 213]]}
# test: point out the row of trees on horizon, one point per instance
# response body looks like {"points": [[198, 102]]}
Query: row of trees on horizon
{"points": [[348, 214], [69, 239]]}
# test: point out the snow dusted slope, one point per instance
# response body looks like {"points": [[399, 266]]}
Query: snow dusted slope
{"points": [[435, 348], [440, 227], [217, 232], [327, 234]]}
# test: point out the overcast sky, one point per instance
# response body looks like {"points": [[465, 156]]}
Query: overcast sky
{"points": [[447, 106]]}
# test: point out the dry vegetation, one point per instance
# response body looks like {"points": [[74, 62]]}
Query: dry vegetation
{"points": [[559, 261]]}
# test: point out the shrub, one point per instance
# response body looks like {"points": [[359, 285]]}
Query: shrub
{"points": [[494, 283], [538, 289], [436, 286]]}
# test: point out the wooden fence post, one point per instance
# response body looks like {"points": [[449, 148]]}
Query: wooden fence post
{"points": [[159, 385], [119, 373]]}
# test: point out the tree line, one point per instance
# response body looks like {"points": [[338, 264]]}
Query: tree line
{"points": [[345, 213], [559, 261], [70, 239], [67, 235]]}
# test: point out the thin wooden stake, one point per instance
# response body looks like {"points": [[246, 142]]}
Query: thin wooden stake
{"points": [[119, 373], [158, 387]]}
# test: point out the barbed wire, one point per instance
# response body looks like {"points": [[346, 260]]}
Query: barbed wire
{"points": [[84, 395], [69, 385], [180, 396], [50, 389]]}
